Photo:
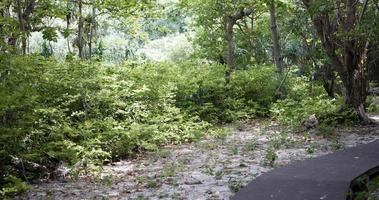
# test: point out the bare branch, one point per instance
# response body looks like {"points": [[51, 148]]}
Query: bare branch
{"points": [[364, 9]]}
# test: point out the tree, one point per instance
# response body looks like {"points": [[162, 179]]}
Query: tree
{"points": [[303, 49], [339, 25], [19, 18], [217, 23], [23, 15], [92, 28], [231, 21], [278, 60], [80, 28]]}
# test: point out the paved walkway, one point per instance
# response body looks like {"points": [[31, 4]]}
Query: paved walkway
{"points": [[326, 178]]}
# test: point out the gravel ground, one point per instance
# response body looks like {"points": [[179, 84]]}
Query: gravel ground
{"points": [[212, 168]]}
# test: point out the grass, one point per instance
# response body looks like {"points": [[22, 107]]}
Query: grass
{"points": [[326, 131], [219, 174], [171, 170], [270, 157], [235, 185], [164, 153], [148, 182], [234, 150], [311, 148], [184, 160], [141, 197], [209, 146], [251, 146]]}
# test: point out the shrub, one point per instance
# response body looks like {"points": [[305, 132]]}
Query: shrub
{"points": [[202, 91], [292, 112], [83, 114], [78, 112], [373, 104], [255, 88], [305, 98]]}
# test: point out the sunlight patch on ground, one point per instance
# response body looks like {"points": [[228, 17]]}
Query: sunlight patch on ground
{"points": [[375, 118]]}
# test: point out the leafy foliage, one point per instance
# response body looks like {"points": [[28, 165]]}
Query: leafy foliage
{"points": [[80, 112], [306, 98], [203, 92], [294, 112], [84, 114]]}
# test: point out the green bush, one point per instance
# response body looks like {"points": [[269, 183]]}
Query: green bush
{"points": [[84, 114], [373, 104], [202, 91], [12, 185], [292, 112], [254, 90], [305, 98], [80, 112]]}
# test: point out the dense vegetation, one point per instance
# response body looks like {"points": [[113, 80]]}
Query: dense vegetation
{"points": [[80, 85]]}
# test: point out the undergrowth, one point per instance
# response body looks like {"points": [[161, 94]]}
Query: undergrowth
{"points": [[81, 115]]}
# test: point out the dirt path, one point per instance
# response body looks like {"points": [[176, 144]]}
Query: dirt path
{"points": [[213, 168]]}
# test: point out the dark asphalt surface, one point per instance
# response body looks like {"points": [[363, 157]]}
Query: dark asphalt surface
{"points": [[325, 178]]}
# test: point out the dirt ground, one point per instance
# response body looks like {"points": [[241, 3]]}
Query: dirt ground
{"points": [[212, 168]]}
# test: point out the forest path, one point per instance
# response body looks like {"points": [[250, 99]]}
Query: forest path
{"points": [[212, 168]]}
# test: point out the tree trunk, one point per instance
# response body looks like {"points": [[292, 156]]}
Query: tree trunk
{"points": [[24, 15], [275, 39], [346, 54], [353, 81], [230, 49], [68, 19], [328, 78], [231, 21], [352, 91], [93, 29], [90, 43], [80, 29], [7, 39], [23, 45], [21, 26]]}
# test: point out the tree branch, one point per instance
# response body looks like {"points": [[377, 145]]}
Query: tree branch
{"points": [[364, 10], [241, 14]]}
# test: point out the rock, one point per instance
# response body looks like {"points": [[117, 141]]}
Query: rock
{"points": [[163, 195], [220, 183], [113, 194], [193, 182], [242, 165], [374, 91], [24, 165], [61, 172]]}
